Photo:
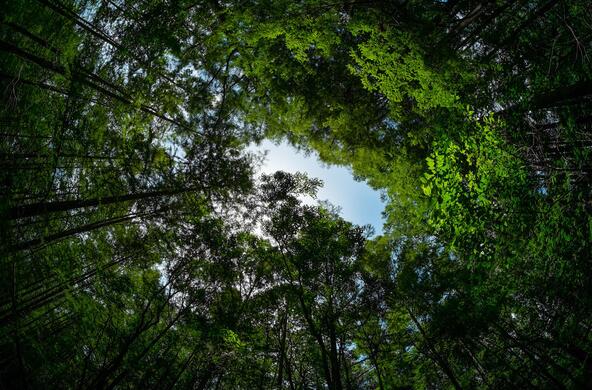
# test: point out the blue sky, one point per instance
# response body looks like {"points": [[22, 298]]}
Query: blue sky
{"points": [[359, 203]]}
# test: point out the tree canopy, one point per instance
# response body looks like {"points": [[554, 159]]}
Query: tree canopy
{"points": [[139, 247]]}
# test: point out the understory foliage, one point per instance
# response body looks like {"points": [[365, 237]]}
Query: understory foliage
{"points": [[139, 249]]}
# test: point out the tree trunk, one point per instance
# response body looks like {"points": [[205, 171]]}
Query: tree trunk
{"points": [[439, 359], [47, 240], [35, 209], [281, 358], [334, 356]]}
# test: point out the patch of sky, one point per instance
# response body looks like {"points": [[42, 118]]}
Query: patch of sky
{"points": [[172, 62], [89, 11], [359, 203]]}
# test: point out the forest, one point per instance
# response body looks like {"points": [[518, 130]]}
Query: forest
{"points": [[141, 249]]}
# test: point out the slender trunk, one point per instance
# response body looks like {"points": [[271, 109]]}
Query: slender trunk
{"points": [[154, 341], [345, 365], [439, 359], [476, 362], [21, 30], [475, 34], [83, 77], [516, 33], [69, 14], [309, 320], [50, 239], [318, 338], [182, 370], [334, 354], [281, 357], [73, 16], [470, 18], [101, 380], [289, 371], [562, 96], [559, 97], [531, 356], [46, 296], [82, 379], [374, 362], [36, 209], [520, 371]]}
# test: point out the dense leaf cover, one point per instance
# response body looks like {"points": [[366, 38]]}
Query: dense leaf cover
{"points": [[140, 250]]}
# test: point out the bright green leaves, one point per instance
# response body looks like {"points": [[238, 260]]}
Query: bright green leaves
{"points": [[302, 40], [469, 179], [390, 62], [304, 37], [231, 339]]}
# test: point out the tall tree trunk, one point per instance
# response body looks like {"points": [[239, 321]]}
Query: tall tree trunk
{"points": [[439, 359], [35, 209], [85, 78], [513, 37], [50, 239], [334, 354], [318, 337], [562, 96], [282, 353]]}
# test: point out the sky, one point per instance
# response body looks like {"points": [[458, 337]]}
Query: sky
{"points": [[359, 203]]}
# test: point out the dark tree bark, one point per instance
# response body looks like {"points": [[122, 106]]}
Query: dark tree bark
{"points": [[41, 208]]}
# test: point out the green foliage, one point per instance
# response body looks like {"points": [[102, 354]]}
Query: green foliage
{"points": [[472, 182], [139, 251], [391, 63]]}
